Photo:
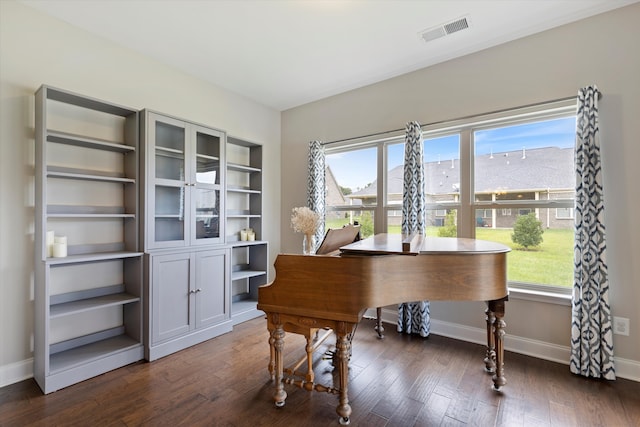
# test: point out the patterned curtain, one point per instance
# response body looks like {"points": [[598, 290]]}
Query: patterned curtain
{"points": [[413, 317], [591, 329], [316, 186]]}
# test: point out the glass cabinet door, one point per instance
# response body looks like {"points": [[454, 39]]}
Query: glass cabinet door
{"points": [[206, 186], [170, 187], [185, 182]]}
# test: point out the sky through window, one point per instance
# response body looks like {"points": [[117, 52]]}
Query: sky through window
{"points": [[356, 169]]}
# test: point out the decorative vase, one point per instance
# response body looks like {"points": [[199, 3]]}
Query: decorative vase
{"points": [[308, 244]]}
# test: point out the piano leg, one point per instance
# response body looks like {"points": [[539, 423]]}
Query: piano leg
{"points": [[272, 357], [497, 308], [379, 328], [343, 346], [277, 335], [490, 358], [309, 349]]}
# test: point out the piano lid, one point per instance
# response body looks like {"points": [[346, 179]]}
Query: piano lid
{"points": [[414, 244]]}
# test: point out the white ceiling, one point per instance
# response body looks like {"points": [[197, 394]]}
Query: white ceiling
{"points": [[287, 53]]}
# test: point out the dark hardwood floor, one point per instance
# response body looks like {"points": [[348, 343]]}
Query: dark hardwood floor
{"points": [[400, 381]]}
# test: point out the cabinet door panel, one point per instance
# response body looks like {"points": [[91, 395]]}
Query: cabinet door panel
{"points": [[211, 302], [207, 201], [184, 191], [209, 149], [169, 166], [206, 184], [167, 177], [171, 295], [169, 220]]}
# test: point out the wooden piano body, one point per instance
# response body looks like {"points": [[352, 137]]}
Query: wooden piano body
{"points": [[334, 292]]}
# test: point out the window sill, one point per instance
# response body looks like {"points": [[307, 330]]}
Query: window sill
{"points": [[540, 296]]}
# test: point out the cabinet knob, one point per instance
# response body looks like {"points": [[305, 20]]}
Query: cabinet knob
{"points": [[192, 291], [199, 290]]}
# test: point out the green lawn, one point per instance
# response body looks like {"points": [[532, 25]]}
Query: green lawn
{"points": [[549, 264]]}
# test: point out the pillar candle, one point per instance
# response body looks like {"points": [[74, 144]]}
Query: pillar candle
{"points": [[50, 240], [59, 246], [59, 250]]}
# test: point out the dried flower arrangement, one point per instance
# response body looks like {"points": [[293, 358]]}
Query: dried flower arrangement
{"points": [[304, 220]]}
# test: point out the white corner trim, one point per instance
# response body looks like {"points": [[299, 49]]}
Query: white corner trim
{"points": [[625, 368], [16, 372]]}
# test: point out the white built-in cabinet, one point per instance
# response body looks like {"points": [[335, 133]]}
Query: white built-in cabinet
{"points": [[187, 264], [188, 295], [88, 286], [151, 210]]}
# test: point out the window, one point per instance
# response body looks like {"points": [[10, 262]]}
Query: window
{"points": [[351, 180], [481, 175], [528, 166]]}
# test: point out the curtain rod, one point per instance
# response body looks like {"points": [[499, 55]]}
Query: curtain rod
{"points": [[453, 120]]}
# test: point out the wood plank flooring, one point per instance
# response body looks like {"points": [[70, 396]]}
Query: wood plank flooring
{"points": [[399, 381]]}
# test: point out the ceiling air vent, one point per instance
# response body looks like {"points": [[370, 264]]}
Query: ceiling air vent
{"points": [[444, 29]]}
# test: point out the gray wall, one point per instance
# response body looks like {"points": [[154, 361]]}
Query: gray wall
{"points": [[35, 50], [601, 50]]}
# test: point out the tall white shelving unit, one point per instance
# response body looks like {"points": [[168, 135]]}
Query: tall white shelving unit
{"points": [[249, 258], [88, 304]]}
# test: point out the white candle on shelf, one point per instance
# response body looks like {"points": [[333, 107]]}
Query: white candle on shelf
{"points": [[59, 250], [50, 240], [243, 234], [59, 247]]}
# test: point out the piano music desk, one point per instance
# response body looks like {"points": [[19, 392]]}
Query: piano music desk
{"points": [[314, 292]]}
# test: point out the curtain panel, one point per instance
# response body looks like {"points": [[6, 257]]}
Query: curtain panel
{"points": [[316, 187], [413, 317], [591, 328]]}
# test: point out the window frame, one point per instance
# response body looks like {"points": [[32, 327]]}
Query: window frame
{"points": [[466, 204]]}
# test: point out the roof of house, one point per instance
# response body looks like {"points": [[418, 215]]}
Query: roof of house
{"points": [[534, 169], [334, 195]]}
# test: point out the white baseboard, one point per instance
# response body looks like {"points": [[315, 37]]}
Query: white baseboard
{"points": [[625, 368], [16, 372]]}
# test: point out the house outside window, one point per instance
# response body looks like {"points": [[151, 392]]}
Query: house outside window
{"points": [[564, 213], [350, 175], [481, 174]]}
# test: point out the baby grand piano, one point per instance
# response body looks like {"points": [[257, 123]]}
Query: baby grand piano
{"points": [[313, 292]]}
